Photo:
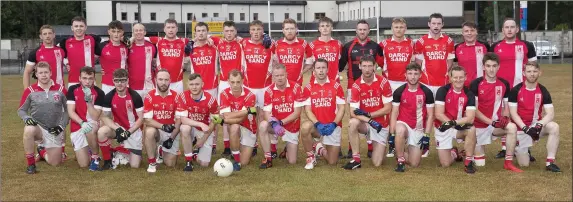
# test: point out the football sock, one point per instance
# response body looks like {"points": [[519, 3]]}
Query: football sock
{"points": [[94, 157], [356, 157], [370, 147], [508, 159], [503, 143], [310, 154], [236, 156], [189, 157], [105, 149], [468, 160], [549, 160], [160, 152], [43, 153], [322, 151], [226, 143], [273, 147], [401, 159], [268, 156], [30, 159], [151, 161]]}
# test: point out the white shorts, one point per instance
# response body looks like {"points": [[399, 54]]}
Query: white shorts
{"points": [[163, 136], [396, 84], [260, 95], [213, 92], [484, 135], [49, 140], [381, 137], [333, 139], [205, 151], [524, 141], [222, 86], [434, 89], [135, 141], [414, 136], [106, 89], [444, 139], [177, 86], [288, 137], [248, 138], [142, 93], [79, 140]]}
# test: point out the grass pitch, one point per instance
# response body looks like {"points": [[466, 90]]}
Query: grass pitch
{"points": [[293, 182]]}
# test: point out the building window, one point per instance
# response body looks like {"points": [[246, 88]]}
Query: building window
{"points": [[135, 16], [342, 16], [287, 16], [189, 16], [216, 15], [255, 16], [205, 15], [374, 12], [172, 16], [231, 16], [272, 17], [369, 13], [363, 13], [242, 16], [152, 17], [298, 16], [124, 16], [317, 16]]}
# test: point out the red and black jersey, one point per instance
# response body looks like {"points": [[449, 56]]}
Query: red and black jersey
{"points": [[76, 97], [529, 102], [124, 109], [351, 54], [470, 57], [54, 56], [489, 98], [455, 103], [80, 53], [413, 105]]}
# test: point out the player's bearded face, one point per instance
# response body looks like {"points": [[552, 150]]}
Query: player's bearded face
{"points": [[170, 30], [469, 33], [79, 28], [230, 33], [289, 30], [256, 32], [236, 83], [491, 68], [457, 78], [435, 25], [47, 36], [398, 29], [120, 84], [87, 80], [201, 33], [195, 86], [413, 76], [531, 74], [509, 29], [325, 28], [279, 77], [116, 35], [362, 31], [43, 75], [163, 82], [367, 69], [320, 70], [139, 32]]}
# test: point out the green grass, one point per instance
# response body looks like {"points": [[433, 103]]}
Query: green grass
{"points": [[292, 182]]}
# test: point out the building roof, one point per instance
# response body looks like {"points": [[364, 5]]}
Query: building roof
{"points": [[220, 2]]}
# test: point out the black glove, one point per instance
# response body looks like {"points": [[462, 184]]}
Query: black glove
{"points": [[267, 41], [464, 126], [531, 131], [167, 128], [425, 142], [359, 112], [30, 122], [447, 125], [168, 143], [189, 47], [56, 130], [375, 125], [119, 135]]}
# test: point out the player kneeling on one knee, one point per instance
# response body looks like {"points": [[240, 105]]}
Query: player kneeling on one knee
{"points": [[370, 106], [283, 105], [122, 119], [194, 108], [238, 111], [525, 105], [161, 127], [44, 112], [324, 106], [411, 118], [455, 113]]}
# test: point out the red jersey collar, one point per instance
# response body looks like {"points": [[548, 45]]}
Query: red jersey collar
{"points": [[168, 92], [394, 39], [362, 79], [275, 86], [327, 80], [286, 41], [430, 35]]}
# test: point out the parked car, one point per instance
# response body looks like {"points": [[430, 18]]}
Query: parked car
{"points": [[545, 48]]}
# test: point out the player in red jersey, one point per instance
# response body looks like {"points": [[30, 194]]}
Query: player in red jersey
{"points": [[85, 101], [411, 118], [79, 50], [113, 55], [141, 62], [398, 52], [47, 52], [283, 105], [161, 125], [369, 109], [455, 113], [239, 112], [293, 52], [435, 52], [194, 108], [525, 101], [469, 54], [327, 48], [324, 106], [122, 120], [513, 53], [45, 119], [204, 59], [492, 115], [171, 53]]}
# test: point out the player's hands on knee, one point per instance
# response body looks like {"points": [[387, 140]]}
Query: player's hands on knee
{"points": [[501, 122], [168, 143], [121, 134], [532, 132], [86, 127], [217, 119], [167, 128], [329, 128], [267, 41], [30, 122], [447, 125], [375, 125], [425, 142], [277, 126], [56, 130], [360, 112]]}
